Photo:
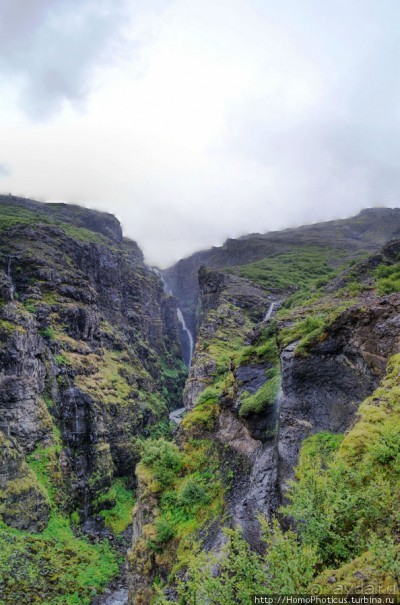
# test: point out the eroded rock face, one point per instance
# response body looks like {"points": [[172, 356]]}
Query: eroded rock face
{"points": [[141, 559], [22, 377], [229, 305], [322, 391], [89, 349]]}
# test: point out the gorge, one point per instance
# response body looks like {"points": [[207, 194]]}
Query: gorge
{"points": [[159, 428]]}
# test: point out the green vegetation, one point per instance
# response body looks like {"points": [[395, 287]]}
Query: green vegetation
{"points": [[119, 517], [264, 397], [345, 503], [61, 359], [14, 215], [48, 333], [189, 494], [346, 494], [235, 575], [388, 279], [230, 331], [163, 458], [30, 306], [264, 349], [307, 331], [11, 216], [302, 268], [56, 566]]}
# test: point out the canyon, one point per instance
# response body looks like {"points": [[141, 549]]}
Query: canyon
{"points": [[147, 415]]}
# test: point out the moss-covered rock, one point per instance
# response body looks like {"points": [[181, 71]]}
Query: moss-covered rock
{"points": [[23, 502]]}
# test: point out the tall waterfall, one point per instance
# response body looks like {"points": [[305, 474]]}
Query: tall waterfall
{"points": [[189, 336], [186, 335]]}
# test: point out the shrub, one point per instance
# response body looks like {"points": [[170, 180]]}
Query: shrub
{"points": [[164, 458], [192, 493]]}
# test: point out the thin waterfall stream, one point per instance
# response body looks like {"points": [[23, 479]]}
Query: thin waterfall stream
{"points": [[189, 337], [270, 311]]}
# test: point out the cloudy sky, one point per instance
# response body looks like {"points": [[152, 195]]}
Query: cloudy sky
{"points": [[198, 120]]}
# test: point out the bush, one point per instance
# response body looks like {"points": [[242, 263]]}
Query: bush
{"points": [[388, 279], [192, 493], [164, 533], [164, 458], [237, 573]]}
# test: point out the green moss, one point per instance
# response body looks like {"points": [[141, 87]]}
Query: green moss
{"points": [[119, 517], [55, 566], [7, 328], [14, 215], [84, 235], [265, 350], [44, 462], [308, 331], [11, 215], [264, 397]]}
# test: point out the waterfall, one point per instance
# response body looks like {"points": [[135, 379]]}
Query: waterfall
{"points": [[187, 342], [270, 311], [188, 333]]}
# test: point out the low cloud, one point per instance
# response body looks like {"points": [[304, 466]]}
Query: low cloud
{"points": [[49, 49], [203, 120]]}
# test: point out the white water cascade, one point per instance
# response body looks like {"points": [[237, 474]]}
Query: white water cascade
{"points": [[188, 333], [270, 311]]}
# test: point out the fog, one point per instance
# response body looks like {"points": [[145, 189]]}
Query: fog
{"points": [[197, 121]]}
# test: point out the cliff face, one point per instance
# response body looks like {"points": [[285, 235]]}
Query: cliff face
{"points": [[317, 392], [90, 361], [88, 342]]}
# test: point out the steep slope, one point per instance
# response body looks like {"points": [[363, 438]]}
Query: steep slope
{"points": [[271, 370], [90, 362]]}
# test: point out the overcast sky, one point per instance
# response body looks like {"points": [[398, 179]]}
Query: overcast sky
{"points": [[198, 120]]}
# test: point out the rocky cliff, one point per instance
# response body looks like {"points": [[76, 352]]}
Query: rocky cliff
{"points": [[90, 362]]}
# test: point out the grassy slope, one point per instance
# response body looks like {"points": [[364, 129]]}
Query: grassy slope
{"points": [[300, 268]]}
